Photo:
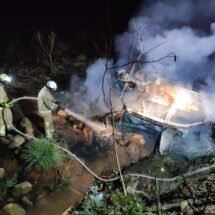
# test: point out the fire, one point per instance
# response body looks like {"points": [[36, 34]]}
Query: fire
{"points": [[166, 102], [171, 95], [184, 101]]}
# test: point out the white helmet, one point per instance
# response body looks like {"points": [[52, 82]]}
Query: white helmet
{"points": [[51, 85], [5, 78]]}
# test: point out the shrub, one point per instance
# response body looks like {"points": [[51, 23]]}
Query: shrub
{"points": [[126, 205], [118, 204], [5, 184], [94, 207], [43, 155]]}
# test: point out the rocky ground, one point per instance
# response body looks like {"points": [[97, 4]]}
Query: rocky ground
{"points": [[183, 195]]}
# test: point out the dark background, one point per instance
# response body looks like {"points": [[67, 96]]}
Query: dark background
{"points": [[76, 22]]}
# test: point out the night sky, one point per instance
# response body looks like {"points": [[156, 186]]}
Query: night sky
{"points": [[69, 19], [65, 14]]}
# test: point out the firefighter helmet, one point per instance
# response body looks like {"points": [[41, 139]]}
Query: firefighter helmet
{"points": [[51, 85], [5, 78]]}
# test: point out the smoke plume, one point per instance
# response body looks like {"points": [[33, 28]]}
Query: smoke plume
{"points": [[184, 28], [92, 96]]}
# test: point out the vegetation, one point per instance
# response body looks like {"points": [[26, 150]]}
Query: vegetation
{"points": [[59, 183], [43, 155], [119, 204], [5, 184], [126, 205], [95, 207]]}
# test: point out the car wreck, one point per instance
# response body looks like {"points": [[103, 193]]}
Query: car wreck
{"points": [[164, 111]]}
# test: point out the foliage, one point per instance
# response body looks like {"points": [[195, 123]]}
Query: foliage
{"points": [[119, 204], [6, 183], [62, 183], [126, 205], [43, 155], [94, 207]]}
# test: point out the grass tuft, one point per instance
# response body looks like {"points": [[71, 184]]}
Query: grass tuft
{"points": [[43, 155]]}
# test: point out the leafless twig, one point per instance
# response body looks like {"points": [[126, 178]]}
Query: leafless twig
{"points": [[113, 134], [170, 55], [48, 51]]}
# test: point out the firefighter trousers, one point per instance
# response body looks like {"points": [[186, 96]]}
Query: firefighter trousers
{"points": [[48, 122]]}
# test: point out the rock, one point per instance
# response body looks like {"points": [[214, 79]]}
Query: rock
{"points": [[22, 188], [27, 202], [11, 199], [2, 172], [138, 147], [186, 209], [10, 137], [136, 138], [27, 126], [26, 123], [16, 141], [133, 151], [12, 209], [4, 140], [210, 209]]}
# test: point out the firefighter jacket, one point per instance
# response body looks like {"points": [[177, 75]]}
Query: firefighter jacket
{"points": [[46, 101], [3, 95], [6, 117]]}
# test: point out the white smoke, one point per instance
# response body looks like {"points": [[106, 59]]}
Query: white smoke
{"points": [[175, 25], [185, 28], [93, 85], [92, 96]]}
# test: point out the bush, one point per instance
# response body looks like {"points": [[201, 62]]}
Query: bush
{"points": [[118, 204], [5, 184], [94, 207], [43, 155], [126, 205]]}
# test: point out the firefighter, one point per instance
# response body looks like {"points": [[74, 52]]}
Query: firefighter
{"points": [[6, 118], [47, 104]]}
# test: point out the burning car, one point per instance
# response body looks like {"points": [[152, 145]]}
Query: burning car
{"points": [[162, 110], [162, 102]]}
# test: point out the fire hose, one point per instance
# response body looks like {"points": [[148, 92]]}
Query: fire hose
{"points": [[203, 169]]}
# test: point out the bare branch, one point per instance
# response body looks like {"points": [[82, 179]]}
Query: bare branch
{"points": [[41, 43], [170, 55]]}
